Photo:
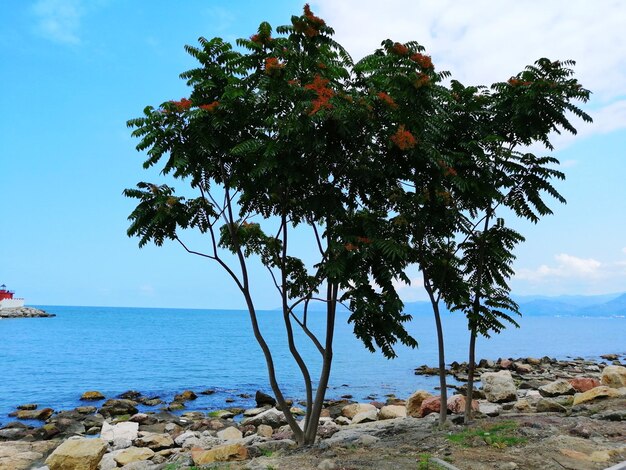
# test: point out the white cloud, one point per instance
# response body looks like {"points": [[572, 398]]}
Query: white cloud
{"points": [[567, 266], [411, 292], [624, 250], [59, 20], [482, 41]]}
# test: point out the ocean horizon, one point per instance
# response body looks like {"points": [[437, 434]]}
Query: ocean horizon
{"points": [[163, 351]]}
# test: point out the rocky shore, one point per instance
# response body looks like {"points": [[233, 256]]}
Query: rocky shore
{"points": [[24, 312], [531, 413]]}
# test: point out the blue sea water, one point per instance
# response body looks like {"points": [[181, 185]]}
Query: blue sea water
{"points": [[52, 361]]}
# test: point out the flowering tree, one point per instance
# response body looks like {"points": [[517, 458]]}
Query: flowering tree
{"points": [[279, 132]]}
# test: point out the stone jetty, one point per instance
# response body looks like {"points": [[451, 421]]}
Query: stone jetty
{"points": [[24, 312]]}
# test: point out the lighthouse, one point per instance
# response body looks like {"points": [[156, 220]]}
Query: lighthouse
{"points": [[7, 300]]}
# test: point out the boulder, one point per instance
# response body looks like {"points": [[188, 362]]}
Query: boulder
{"points": [[117, 407], [522, 368], [365, 416], [155, 441], [430, 405], [614, 376], [92, 395], [77, 454], [523, 406], [456, 404], [254, 411], [40, 415], [133, 454], [556, 388], [582, 384], [499, 386], [264, 430], [187, 395], [271, 417], [264, 399], [489, 409], [223, 453], [392, 411], [547, 405], [414, 402], [597, 392], [126, 430], [230, 434], [350, 411], [130, 395]]}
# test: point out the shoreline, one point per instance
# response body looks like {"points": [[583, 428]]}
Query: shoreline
{"points": [[541, 387], [24, 312]]}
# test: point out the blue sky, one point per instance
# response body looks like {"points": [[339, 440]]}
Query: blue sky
{"points": [[74, 71]]}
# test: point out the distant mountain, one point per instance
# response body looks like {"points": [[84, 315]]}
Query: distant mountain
{"points": [[613, 307]]}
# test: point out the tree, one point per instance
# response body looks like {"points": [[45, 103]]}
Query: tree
{"points": [[277, 132]]}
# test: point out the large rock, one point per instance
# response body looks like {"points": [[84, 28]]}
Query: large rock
{"points": [[350, 411], [133, 454], [77, 454], [582, 384], [547, 405], [118, 407], [155, 441], [414, 402], [41, 415], [187, 395], [230, 434], [614, 376], [365, 416], [430, 405], [219, 454], [263, 399], [126, 430], [597, 392], [23, 455], [456, 404], [392, 411], [92, 395], [499, 386], [271, 417], [556, 388]]}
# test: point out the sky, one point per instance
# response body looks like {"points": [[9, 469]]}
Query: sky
{"points": [[74, 71]]}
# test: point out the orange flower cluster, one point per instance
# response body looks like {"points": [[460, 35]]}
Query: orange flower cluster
{"points": [[403, 139], [210, 107], [422, 80], [424, 61], [515, 82], [293, 82], [311, 26], [324, 94], [315, 20], [272, 64], [182, 105], [388, 100], [400, 49]]}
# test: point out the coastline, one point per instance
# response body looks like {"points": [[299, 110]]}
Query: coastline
{"points": [[24, 312], [543, 387]]}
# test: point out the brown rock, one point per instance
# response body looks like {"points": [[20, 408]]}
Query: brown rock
{"points": [[350, 411], [77, 454], [414, 403], [430, 405], [41, 415], [219, 454], [187, 395], [582, 384], [614, 376], [392, 411], [133, 454], [597, 392], [92, 395], [456, 404]]}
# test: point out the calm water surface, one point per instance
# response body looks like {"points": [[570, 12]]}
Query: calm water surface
{"points": [[51, 361]]}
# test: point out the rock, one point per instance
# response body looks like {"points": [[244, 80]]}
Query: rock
{"points": [[28, 406], [392, 411], [522, 368], [596, 392], [40, 415], [414, 402], [133, 454], [350, 411], [219, 454], [430, 405], [271, 417], [208, 391], [611, 415], [547, 405], [582, 384], [118, 407], [92, 395], [254, 411], [327, 464], [126, 430], [490, 409], [264, 430], [86, 410], [499, 386], [187, 395], [77, 454], [533, 361], [365, 416], [456, 404], [614, 376], [152, 402], [264, 399], [610, 357], [556, 388], [130, 395], [506, 363], [155, 441], [24, 455], [230, 434]]}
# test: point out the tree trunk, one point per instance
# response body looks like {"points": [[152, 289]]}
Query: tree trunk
{"points": [[470, 376], [443, 401]]}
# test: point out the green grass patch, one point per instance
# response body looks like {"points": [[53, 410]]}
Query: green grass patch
{"points": [[498, 435]]}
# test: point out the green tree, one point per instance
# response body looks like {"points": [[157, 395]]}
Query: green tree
{"points": [[278, 132]]}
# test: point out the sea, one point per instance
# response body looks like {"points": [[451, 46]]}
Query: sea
{"points": [[161, 352]]}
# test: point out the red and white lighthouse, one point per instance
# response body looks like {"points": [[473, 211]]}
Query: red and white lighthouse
{"points": [[7, 299]]}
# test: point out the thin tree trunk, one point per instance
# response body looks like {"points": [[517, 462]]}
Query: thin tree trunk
{"points": [[443, 401], [470, 376]]}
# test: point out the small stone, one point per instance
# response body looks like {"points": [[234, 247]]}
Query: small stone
{"points": [[28, 406], [92, 395], [187, 395]]}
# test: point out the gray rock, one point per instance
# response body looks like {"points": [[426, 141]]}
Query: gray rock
{"points": [[556, 388], [271, 417], [547, 405], [499, 386]]}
